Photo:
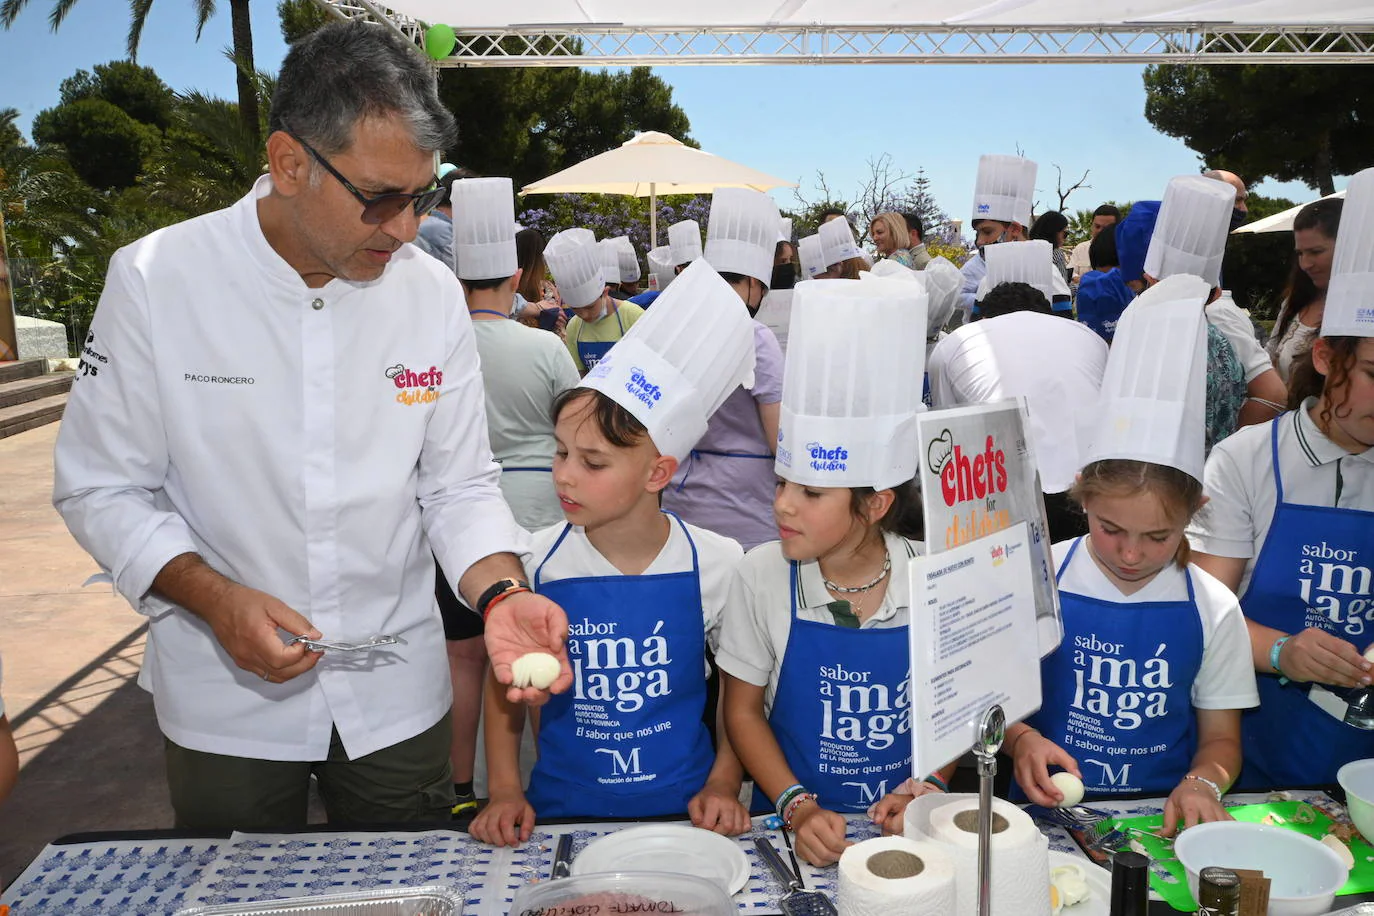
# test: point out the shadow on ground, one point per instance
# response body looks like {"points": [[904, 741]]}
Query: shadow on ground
{"points": [[93, 757]]}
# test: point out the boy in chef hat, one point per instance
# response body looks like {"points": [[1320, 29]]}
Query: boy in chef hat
{"points": [[726, 484], [1128, 585], [1002, 198], [684, 243], [661, 273], [621, 266], [1290, 527], [839, 251], [1190, 238], [833, 594], [579, 273], [632, 579]]}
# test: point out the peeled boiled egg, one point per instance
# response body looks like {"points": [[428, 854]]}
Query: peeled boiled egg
{"points": [[1069, 884], [534, 669], [1070, 786]]}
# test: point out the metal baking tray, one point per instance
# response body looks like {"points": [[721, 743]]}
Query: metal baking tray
{"points": [[411, 901]]}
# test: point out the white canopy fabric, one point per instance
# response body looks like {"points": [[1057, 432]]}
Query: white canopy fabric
{"points": [[713, 14], [1280, 222], [650, 164]]}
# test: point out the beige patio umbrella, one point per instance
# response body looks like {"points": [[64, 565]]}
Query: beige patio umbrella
{"points": [[651, 164], [1280, 222]]}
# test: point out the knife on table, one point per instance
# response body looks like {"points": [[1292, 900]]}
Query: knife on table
{"points": [[562, 857]]}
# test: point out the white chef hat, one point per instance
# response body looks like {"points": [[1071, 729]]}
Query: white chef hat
{"points": [[785, 229], [1190, 231], [1023, 262], [575, 263], [811, 257], [679, 362], [629, 259], [608, 252], [484, 228], [684, 239], [661, 266], [1350, 292], [742, 233], [888, 269], [944, 283], [1004, 189], [837, 241], [1153, 401], [850, 396]]}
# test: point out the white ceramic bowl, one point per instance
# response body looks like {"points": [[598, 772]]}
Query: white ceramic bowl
{"points": [[1304, 874], [1357, 779]]}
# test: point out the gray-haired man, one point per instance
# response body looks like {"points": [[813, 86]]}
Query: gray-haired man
{"points": [[284, 415]]}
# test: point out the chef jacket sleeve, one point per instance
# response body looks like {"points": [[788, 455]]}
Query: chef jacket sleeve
{"points": [[111, 457], [974, 270], [463, 512], [1224, 526]]}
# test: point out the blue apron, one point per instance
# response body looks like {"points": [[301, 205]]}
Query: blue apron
{"points": [[1313, 571], [591, 351], [628, 739], [1118, 690], [842, 709]]}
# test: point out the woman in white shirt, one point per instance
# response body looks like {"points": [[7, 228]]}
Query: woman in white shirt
{"points": [[1300, 315]]}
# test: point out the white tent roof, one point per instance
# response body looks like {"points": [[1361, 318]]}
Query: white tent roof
{"points": [[712, 14]]}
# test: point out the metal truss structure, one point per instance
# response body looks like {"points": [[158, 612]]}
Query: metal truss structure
{"points": [[615, 45]]}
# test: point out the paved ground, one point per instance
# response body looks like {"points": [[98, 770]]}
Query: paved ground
{"points": [[90, 752]]}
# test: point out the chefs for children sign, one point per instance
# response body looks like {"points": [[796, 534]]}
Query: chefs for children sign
{"points": [[978, 477]]}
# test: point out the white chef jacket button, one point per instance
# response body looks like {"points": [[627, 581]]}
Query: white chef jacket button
{"points": [[317, 304]]}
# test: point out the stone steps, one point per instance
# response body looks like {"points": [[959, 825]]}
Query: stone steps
{"points": [[30, 396]]}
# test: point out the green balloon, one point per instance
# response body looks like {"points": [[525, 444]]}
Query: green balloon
{"points": [[440, 41]]}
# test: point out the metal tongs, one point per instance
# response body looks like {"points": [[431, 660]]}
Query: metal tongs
{"points": [[337, 645]]}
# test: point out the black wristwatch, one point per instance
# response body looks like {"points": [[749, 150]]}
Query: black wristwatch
{"points": [[498, 589]]}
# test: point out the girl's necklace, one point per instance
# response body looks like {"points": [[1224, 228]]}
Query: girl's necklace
{"points": [[856, 589]]}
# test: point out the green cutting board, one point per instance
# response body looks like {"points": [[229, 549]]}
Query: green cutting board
{"points": [[1165, 866]]}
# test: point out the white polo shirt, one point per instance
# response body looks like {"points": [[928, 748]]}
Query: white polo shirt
{"points": [[754, 635], [717, 559], [1054, 363], [1226, 679], [314, 444], [1239, 481], [1234, 324]]}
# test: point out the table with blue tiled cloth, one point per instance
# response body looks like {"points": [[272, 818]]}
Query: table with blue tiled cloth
{"points": [[161, 877]]}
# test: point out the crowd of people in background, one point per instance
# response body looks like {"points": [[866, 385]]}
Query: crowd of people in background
{"points": [[698, 464]]}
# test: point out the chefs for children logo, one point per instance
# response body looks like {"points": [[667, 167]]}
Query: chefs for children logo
{"points": [[643, 389], [614, 673], [972, 484], [827, 457], [1335, 585], [416, 387], [858, 716]]}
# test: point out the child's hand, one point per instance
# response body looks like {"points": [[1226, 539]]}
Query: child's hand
{"points": [[1191, 802], [718, 809], [890, 810], [1315, 655], [820, 834], [507, 820], [1033, 755]]}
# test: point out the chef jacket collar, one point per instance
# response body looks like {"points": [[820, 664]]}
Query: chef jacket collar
{"points": [[272, 265], [1315, 447]]}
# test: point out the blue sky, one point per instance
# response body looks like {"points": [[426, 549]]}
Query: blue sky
{"points": [[789, 121]]}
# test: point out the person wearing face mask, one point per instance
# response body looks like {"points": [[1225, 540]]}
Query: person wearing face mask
{"points": [[1300, 315], [598, 320], [726, 483], [1240, 210], [1001, 213]]}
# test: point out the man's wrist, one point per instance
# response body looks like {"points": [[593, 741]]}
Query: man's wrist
{"points": [[497, 592]]}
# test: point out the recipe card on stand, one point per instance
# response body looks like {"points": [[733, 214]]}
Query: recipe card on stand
{"points": [[973, 639]]}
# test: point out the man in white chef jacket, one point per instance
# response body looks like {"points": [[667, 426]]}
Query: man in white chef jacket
{"points": [[283, 415]]}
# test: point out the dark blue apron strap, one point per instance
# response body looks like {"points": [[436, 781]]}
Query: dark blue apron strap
{"points": [[1068, 557], [1188, 575], [539, 570], [487, 312], [696, 567], [795, 585], [1274, 451], [505, 468]]}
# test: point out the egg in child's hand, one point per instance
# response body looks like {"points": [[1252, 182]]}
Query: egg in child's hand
{"points": [[1070, 786], [534, 669]]}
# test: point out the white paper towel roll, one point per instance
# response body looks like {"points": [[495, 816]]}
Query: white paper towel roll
{"points": [[1020, 853], [876, 879]]}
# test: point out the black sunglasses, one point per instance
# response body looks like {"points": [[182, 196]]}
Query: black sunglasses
{"points": [[383, 207]]}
